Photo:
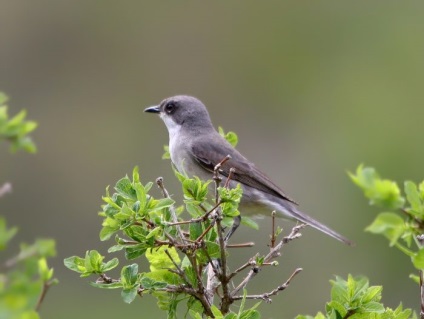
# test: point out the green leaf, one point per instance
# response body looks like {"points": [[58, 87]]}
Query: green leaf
{"points": [[93, 261], [216, 312], [151, 284], [415, 278], [161, 204], [112, 285], [340, 308], [381, 192], [135, 252], [75, 263], [418, 259], [421, 190], [129, 275], [231, 137], [44, 271], [158, 259], [194, 315], [249, 222], [128, 295], [135, 175], [110, 264], [372, 294], [390, 225], [125, 188], [106, 232], [413, 197], [166, 154], [372, 306]]}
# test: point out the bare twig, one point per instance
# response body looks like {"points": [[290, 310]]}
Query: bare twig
{"points": [[273, 229], [275, 252], [216, 176], [266, 296], [46, 287], [250, 263], [230, 176], [242, 245]]}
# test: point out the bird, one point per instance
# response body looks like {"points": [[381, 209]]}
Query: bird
{"points": [[196, 147]]}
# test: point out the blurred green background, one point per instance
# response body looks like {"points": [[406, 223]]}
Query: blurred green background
{"points": [[313, 88]]}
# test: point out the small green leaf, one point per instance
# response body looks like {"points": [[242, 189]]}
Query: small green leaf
{"points": [[194, 315], [418, 259], [166, 154], [381, 192], [216, 312], [106, 232], [159, 260], [110, 264], [388, 224], [421, 190], [135, 252], [373, 306], [413, 198], [136, 175], [249, 222], [415, 278], [154, 232], [129, 275], [231, 137], [128, 295], [372, 294], [113, 285], [161, 204], [125, 188], [75, 263]]}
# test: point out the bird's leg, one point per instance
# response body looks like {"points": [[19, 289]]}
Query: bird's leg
{"points": [[236, 224]]}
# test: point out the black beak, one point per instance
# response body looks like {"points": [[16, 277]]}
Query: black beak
{"points": [[152, 109]]}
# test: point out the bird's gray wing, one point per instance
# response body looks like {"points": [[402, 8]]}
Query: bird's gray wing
{"points": [[208, 155]]}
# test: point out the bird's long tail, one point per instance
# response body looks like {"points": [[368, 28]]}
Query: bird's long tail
{"points": [[296, 214]]}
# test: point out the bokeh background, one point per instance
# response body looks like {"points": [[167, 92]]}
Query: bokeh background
{"points": [[313, 88]]}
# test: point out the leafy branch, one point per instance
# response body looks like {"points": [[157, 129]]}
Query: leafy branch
{"points": [[186, 257]]}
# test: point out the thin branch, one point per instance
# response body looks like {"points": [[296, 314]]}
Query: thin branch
{"points": [[46, 287], [273, 229], [275, 252], [205, 232], [179, 271], [276, 291], [196, 220], [250, 263], [242, 245], [229, 178], [216, 176]]}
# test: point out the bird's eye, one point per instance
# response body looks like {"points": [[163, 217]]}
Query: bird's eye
{"points": [[170, 107]]}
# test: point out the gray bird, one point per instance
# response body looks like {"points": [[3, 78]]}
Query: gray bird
{"points": [[196, 147]]}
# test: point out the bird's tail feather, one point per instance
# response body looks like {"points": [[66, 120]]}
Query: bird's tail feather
{"points": [[304, 218]]}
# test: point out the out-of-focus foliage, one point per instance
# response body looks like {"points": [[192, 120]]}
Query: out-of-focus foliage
{"points": [[25, 277], [16, 129], [355, 299], [402, 221]]}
